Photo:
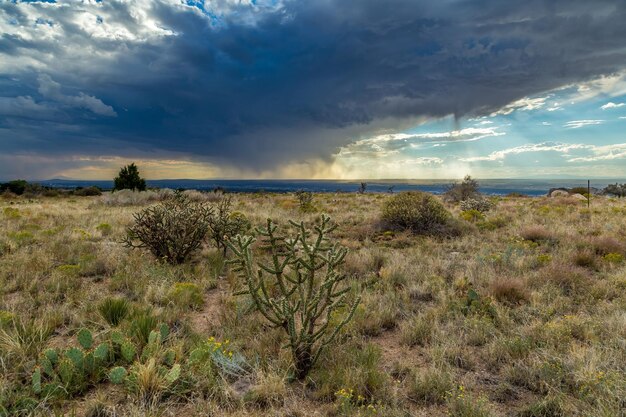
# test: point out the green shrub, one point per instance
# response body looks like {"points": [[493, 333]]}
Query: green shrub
{"points": [[472, 216], [614, 258], [171, 230], [12, 213], [114, 310], [21, 238], [104, 228], [88, 191], [186, 294], [6, 318], [307, 298], [418, 212]]}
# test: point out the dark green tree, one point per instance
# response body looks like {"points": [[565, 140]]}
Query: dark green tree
{"points": [[16, 186], [129, 178], [618, 190]]}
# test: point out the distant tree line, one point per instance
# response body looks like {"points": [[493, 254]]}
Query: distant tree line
{"points": [[25, 188]]}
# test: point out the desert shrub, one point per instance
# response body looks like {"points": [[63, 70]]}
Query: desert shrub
{"points": [[135, 198], [458, 192], [186, 294], [114, 310], [614, 258], [129, 179], [11, 213], [603, 245], [6, 318], [536, 234], [479, 204], [51, 192], [416, 211], [430, 387], [224, 224], [104, 228], [585, 258], [308, 299], [509, 291], [88, 191], [472, 216], [475, 304], [305, 200], [171, 230], [569, 278]]}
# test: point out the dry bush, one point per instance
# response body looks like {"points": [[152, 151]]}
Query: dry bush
{"points": [[135, 198], [509, 290], [585, 259], [536, 233], [570, 279], [603, 245], [172, 230], [201, 196]]}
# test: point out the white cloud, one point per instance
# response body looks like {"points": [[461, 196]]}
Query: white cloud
{"points": [[606, 86], [546, 123], [603, 153], [390, 144], [577, 124], [524, 104], [535, 147], [611, 105], [594, 153]]}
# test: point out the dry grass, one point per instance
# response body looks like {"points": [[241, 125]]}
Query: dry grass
{"points": [[543, 336]]}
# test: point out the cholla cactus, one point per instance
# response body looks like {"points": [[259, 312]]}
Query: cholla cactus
{"points": [[303, 294]]}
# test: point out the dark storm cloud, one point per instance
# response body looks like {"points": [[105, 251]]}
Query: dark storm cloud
{"points": [[256, 86]]}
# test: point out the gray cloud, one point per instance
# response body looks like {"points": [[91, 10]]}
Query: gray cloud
{"points": [[261, 85], [50, 89]]}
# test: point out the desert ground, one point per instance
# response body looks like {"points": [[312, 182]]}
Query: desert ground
{"points": [[520, 312]]}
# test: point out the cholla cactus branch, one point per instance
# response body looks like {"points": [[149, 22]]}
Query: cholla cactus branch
{"points": [[299, 289]]}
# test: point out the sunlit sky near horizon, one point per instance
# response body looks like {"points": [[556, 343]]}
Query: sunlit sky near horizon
{"points": [[341, 89]]}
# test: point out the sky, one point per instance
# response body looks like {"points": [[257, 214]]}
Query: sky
{"points": [[345, 89]]}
